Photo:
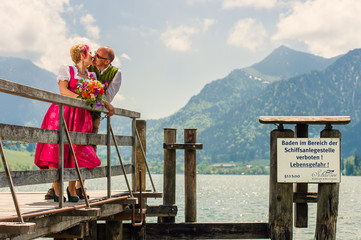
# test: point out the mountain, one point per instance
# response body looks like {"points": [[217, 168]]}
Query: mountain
{"points": [[285, 63], [24, 111], [226, 110], [332, 91], [23, 71]]}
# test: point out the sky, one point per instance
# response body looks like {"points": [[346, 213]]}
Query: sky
{"points": [[169, 50]]}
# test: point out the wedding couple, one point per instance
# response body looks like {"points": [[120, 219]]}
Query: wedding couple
{"points": [[78, 120]]}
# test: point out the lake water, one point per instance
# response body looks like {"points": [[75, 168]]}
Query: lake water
{"points": [[244, 198]]}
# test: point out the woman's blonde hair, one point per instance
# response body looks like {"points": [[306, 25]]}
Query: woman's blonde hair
{"points": [[76, 50]]}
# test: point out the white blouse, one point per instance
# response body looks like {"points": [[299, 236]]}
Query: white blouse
{"points": [[64, 73]]}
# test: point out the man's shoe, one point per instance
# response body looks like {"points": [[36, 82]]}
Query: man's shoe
{"points": [[49, 195]]}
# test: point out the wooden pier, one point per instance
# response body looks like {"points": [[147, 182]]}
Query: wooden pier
{"points": [[29, 216], [122, 214]]}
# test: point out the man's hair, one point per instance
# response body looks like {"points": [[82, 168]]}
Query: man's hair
{"points": [[111, 54]]}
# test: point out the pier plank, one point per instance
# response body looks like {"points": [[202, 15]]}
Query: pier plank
{"points": [[150, 211], [78, 231], [49, 219], [94, 212], [31, 203], [206, 230], [17, 228], [339, 120], [50, 97], [192, 146], [162, 210], [30, 134]]}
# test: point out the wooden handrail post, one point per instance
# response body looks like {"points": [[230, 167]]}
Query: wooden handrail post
{"points": [[140, 163], [327, 205], [169, 175], [190, 176], [61, 155], [134, 153], [109, 165], [280, 194], [301, 209]]}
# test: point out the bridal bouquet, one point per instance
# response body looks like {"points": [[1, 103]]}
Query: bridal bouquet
{"points": [[92, 91]]}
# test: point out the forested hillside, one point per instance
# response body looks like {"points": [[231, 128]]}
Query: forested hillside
{"points": [[226, 111]]}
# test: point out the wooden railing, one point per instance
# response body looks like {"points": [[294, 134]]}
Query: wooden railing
{"points": [[32, 135]]}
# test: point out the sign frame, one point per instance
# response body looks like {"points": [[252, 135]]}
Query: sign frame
{"points": [[308, 160]]}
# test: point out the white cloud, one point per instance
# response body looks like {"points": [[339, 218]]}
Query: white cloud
{"points": [[247, 33], [327, 27], [192, 2], [125, 56], [207, 22], [249, 3], [118, 100], [178, 38], [36, 30], [88, 21], [25, 24]]}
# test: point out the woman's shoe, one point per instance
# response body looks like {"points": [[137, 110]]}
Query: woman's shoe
{"points": [[56, 198], [79, 192], [72, 198]]}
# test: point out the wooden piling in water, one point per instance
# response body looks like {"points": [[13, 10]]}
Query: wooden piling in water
{"points": [[93, 231], [114, 230], [301, 209], [327, 205], [169, 183], [190, 176], [280, 194]]}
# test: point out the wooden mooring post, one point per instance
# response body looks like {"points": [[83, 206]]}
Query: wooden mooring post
{"points": [[301, 209], [190, 171], [169, 174], [327, 205], [190, 176], [281, 193]]}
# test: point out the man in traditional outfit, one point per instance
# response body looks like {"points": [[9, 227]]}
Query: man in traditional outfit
{"points": [[108, 75]]}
